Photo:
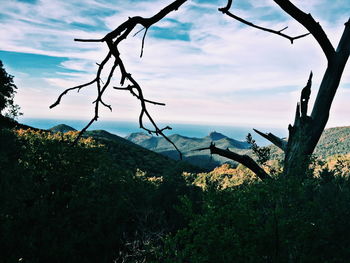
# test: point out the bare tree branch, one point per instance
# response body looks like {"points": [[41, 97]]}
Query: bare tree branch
{"points": [[310, 24], [332, 76], [305, 133], [112, 40], [143, 42], [280, 143], [225, 10], [58, 101], [306, 130], [130, 88], [243, 159]]}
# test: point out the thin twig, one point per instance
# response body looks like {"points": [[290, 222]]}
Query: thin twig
{"points": [[277, 32], [58, 101], [139, 31], [310, 24], [143, 42]]}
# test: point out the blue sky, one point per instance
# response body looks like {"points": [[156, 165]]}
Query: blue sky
{"points": [[206, 67]]}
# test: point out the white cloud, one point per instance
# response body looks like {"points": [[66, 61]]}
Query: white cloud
{"points": [[200, 79]]}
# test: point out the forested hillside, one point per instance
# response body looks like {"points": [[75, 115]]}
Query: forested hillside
{"points": [[189, 146], [93, 196], [131, 156], [333, 141], [106, 199], [96, 201]]}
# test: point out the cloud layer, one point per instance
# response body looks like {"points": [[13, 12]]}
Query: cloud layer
{"points": [[205, 66]]}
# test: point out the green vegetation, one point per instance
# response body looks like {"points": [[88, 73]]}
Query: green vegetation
{"points": [[106, 199], [284, 220], [64, 203], [7, 93], [333, 141], [134, 157]]}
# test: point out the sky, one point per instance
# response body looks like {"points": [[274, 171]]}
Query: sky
{"points": [[206, 67]]}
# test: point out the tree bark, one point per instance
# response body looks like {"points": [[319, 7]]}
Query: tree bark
{"points": [[307, 130]]}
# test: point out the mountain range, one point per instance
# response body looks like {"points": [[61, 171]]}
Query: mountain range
{"points": [[129, 155], [333, 141], [189, 147]]}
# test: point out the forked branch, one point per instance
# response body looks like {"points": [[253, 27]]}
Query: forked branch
{"points": [[112, 40], [242, 159], [225, 10], [310, 24], [280, 143]]}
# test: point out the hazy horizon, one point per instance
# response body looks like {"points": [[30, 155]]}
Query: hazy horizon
{"points": [[124, 128]]}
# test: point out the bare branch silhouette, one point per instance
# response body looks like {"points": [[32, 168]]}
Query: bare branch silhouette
{"points": [[243, 159], [310, 24], [306, 130], [112, 40], [225, 10], [280, 143]]}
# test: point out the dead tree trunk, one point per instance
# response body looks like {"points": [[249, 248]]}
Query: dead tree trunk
{"points": [[306, 131]]}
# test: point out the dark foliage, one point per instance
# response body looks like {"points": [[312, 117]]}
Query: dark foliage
{"points": [[82, 203], [262, 153], [285, 220], [7, 93], [63, 203]]}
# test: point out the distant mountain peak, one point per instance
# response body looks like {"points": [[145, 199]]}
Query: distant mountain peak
{"points": [[139, 135], [62, 128], [215, 136]]}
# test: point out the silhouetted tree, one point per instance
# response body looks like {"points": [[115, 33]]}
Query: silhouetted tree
{"points": [[306, 130], [303, 134], [7, 94]]}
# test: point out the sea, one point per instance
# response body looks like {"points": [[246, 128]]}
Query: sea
{"points": [[124, 128]]}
